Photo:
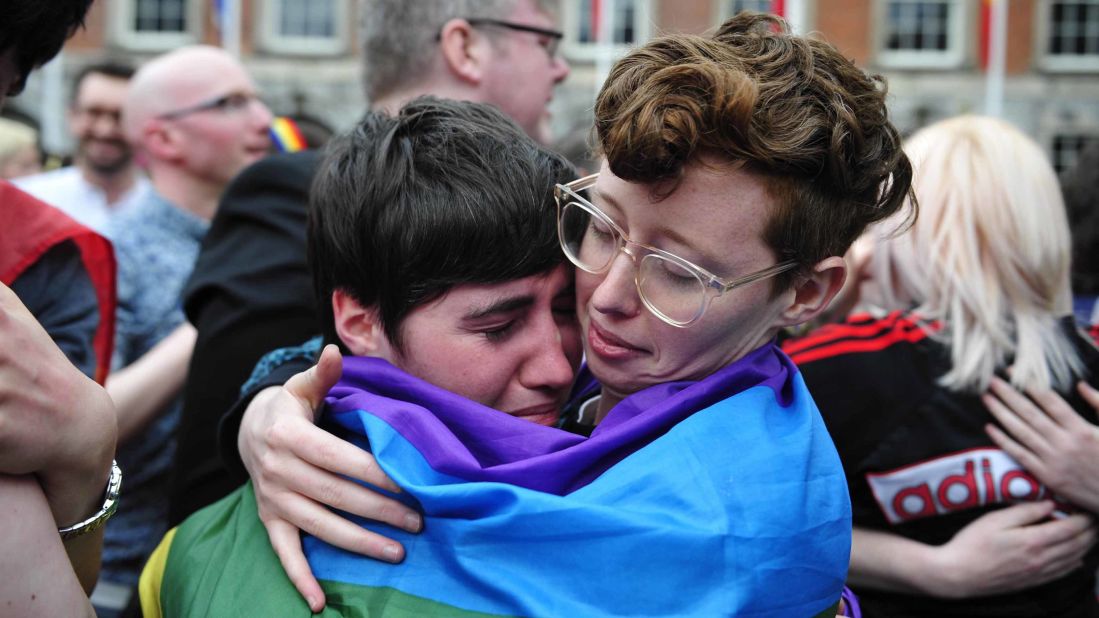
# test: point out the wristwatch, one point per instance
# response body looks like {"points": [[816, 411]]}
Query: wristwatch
{"points": [[110, 505]]}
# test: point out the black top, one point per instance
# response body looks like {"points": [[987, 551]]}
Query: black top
{"points": [[917, 459], [251, 292]]}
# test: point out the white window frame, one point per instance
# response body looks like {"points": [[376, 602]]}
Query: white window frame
{"points": [[271, 41], [125, 11], [958, 20], [573, 49], [1064, 63]]}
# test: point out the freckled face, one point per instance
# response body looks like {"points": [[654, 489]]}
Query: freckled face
{"points": [[715, 219]]}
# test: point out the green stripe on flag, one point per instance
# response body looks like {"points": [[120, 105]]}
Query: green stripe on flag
{"points": [[363, 601], [221, 563]]}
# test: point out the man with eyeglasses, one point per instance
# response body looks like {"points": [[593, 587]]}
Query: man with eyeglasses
{"points": [[195, 117], [251, 291], [103, 181]]}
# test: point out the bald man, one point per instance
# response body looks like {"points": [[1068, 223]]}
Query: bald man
{"points": [[194, 117]]}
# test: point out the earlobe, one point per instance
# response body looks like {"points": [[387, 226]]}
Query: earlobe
{"points": [[359, 327], [813, 294], [460, 51]]}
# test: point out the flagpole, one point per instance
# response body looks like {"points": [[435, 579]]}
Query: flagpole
{"points": [[997, 58], [797, 15], [230, 26]]}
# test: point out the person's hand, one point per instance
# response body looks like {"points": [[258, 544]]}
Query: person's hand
{"points": [[1048, 438], [1008, 550], [55, 422], [296, 468]]}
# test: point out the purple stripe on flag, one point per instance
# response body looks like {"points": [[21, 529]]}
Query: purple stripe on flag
{"points": [[470, 441]]}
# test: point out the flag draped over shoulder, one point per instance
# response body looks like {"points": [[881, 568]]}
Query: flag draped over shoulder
{"points": [[718, 497]]}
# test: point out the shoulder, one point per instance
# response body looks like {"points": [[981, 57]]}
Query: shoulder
{"points": [[62, 178], [867, 369], [860, 334], [292, 171]]}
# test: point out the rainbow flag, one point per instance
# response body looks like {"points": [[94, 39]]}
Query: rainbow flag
{"points": [[286, 135], [711, 498]]}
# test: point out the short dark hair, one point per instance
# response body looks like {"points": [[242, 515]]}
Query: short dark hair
{"points": [[116, 69], [446, 193], [787, 107], [36, 30]]}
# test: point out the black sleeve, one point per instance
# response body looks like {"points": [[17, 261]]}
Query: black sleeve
{"points": [[230, 422], [251, 292], [59, 294]]}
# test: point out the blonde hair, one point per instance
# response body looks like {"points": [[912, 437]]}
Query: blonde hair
{"points": [[988, 256], [14, 138]]}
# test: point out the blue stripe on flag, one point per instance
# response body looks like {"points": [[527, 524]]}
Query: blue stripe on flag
{"points": [[740, 509]]}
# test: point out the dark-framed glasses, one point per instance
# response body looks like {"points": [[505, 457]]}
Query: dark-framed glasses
{"points": [[551, 38], [232, 102], [672, 288]]}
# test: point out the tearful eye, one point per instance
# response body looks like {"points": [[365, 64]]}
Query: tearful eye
{"points": [[498, 333]]}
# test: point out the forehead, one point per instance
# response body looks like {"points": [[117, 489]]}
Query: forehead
{"points": [[718, 209], [205, 78], [465, 300], [99, 90]]}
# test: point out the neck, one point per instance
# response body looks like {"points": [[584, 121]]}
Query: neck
{"points": [[607, 400], [394, 101], [186, 192], [114, 185]]}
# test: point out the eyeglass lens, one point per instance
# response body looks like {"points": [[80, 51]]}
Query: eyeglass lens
{"points": [[667, 287]]}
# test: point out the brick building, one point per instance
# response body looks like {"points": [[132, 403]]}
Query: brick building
{"points": [[303, 54]]}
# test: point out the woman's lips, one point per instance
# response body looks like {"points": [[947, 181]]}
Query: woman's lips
{"points": [[544, 414], [607, 345]]}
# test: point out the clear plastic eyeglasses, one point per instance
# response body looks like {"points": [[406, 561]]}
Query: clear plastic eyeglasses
{"points": [[675, 290]]}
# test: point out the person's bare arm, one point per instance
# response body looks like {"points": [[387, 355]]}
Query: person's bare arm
{"points": [[1006, 550], [144, 387], [1048, 438], [57, 428], [36, 578], [297, 470]]}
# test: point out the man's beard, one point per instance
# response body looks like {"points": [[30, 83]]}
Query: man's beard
{"points": [[108, 166]]}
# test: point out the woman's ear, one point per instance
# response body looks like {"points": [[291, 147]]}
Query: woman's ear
{"points": [[813, 294], [462, 51], [359, 327]]}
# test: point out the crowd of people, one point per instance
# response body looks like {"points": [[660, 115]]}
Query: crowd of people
{"points": [[766, 358]]}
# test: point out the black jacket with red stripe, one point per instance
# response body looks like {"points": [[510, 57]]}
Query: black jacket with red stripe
{"points": [[917, 459]]}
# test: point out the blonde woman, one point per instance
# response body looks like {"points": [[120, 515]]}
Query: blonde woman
{"points": [[978, 284], [19, 155]]}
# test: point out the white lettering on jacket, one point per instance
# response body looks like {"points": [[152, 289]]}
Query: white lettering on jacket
{"points": [[953, 482]]}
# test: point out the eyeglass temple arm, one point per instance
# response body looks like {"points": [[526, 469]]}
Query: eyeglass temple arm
{"points": [[779, 268]]}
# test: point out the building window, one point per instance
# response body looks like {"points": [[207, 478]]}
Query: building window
{"points": [[160, 16], [623, 25], [920, 33], [1067, 148], [1071, 37], [305, 27], [629, 25], [732, 7], [156, 25]]}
